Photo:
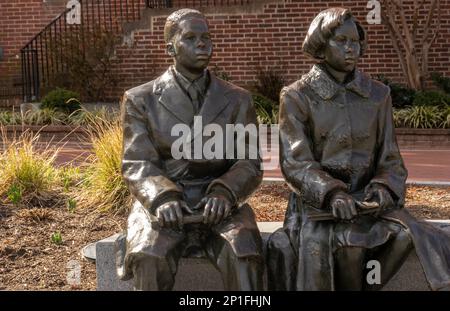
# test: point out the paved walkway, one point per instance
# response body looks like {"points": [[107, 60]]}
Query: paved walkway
{"points": [[424, 166]]}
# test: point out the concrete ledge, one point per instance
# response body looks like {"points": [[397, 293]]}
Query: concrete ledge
{"points": [[53, 133], [193, 274], [426, 138], [199, 274]]}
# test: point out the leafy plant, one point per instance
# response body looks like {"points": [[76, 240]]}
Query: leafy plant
{"points": [[421, 117], [10, 118], [442, 82], [71, 205], [45, 116], [49, 116], [62, 100], [70, 176], [401, 96], [56, 238], [446, 123], [266, 109], [269, 84], [431, 98], [14, 194]]}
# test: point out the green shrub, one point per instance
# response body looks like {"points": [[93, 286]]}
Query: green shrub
{"points": [[62, 100], [269, 84], [266, 109], [431, 98], [442, 82], [401, 96]]}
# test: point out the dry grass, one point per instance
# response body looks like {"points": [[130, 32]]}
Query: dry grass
{"points": [[93, 119], [103, 187], [27, 173], [35, 215]]}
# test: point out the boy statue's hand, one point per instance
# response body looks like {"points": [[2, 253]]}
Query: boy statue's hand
{"points": [[170, 214], [217, 208]]}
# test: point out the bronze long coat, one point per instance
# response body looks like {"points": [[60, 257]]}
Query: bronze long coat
{"points": [[151, 173], [340, 137]]}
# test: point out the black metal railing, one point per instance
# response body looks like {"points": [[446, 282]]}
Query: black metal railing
{"points": [[159, 4], [8, 91], [194, 3], [47, 55], [44, 57]]}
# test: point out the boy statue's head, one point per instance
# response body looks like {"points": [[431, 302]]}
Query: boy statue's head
{"points": [[188, 40], [335, 38]]}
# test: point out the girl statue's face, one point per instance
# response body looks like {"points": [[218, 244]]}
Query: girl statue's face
{"points": [[343, 49]]}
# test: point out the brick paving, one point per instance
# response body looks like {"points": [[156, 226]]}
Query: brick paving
{"points": [[422, 165]]}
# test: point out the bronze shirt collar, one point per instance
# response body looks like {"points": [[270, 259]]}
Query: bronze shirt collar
{"points": [[326, 87], [200, 83]]}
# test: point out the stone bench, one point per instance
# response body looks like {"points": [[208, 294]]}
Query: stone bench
{"points": [[199, 274]]}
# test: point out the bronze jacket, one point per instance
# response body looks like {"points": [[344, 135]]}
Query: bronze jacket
{"points": [[342, 137], [338, 137], [153, 175], [152, 110]]}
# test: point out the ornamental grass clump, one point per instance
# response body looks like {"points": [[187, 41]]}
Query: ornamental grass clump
{"points": [[103, 187], [27, 172]]}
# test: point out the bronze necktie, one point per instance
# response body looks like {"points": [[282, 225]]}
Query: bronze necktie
{"points": [[196, 97]]}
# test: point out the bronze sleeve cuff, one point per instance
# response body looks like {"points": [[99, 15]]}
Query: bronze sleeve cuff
{"points": [[330, 195], [222, 191], [164, 198]]}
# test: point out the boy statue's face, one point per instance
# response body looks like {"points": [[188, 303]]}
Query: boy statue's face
{"points": [[192, 45], [343, 49]]}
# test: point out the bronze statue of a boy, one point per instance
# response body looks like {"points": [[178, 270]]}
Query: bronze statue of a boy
{"points": [[338, 152], [167, 191]]}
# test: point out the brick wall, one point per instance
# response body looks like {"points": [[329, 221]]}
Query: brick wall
{"points": [[266, 35], [271, 37], [21, 20]]}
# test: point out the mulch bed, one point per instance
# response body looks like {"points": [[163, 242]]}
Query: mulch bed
{"points": [[270, 201], [29, 260]]}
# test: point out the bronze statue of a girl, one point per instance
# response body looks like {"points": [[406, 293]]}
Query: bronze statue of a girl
{"points": [[338, 153]]}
